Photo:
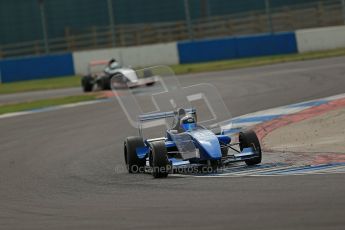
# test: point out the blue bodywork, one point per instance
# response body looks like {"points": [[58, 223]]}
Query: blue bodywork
{"points": [[207, 143], [194, 146]]}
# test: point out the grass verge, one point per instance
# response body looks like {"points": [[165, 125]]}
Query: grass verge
{"points": [[42, 84], [256, 61], [17, 107], [74, 81]]}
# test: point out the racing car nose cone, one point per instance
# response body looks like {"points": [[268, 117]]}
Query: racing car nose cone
{"points": [[209, 143]]}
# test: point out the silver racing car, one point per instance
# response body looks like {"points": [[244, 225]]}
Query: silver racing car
{"points": [[100, 72]]}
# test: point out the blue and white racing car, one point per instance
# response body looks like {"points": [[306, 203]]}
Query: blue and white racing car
{"points": [[187, 142], [187, 145]]}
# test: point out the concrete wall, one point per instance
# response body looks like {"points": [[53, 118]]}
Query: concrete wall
{"points": [[29, 68], [266, 44], [207, 50], [141, 56], [237, 47], [320, 38]]}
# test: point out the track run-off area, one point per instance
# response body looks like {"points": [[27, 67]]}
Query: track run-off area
{"points": [[57, 166]]}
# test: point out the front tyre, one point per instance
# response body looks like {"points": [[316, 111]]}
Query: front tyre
{"points": [[248, 139], [133, 162], [159, 160]]}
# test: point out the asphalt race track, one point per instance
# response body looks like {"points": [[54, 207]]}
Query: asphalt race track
{"points": [[57, 169], [39, 95]]}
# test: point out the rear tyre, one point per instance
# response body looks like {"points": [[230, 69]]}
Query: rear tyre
{"points": [[104, 83], [87, 83], [249, 139], [133, 162], [120, 80], [224, 150], [150, 84], [209, 167], [159, 160]]}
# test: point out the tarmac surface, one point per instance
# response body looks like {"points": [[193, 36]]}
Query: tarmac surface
{"points": [[63, 169], [39, 95]]}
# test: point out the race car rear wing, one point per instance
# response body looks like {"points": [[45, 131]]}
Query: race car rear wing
{"points": [[156, 119], [162, 115]]}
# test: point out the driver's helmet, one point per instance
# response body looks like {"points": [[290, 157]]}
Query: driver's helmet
{"points": [[114, 65], [111, 61], [188, 122]]}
